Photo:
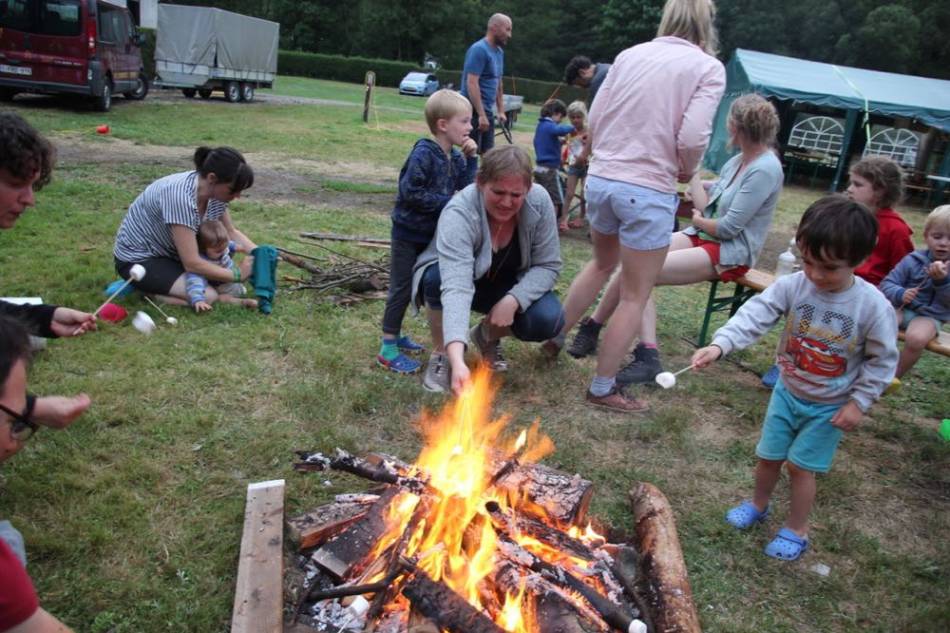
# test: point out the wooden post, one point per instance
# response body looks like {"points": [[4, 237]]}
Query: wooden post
{"points": [[258, 599], [370, 82]]}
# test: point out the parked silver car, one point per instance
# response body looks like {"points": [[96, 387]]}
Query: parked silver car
{"points": [[416, 83]]}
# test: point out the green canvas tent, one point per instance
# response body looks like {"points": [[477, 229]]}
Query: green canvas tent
{"points": [[854, 90]]}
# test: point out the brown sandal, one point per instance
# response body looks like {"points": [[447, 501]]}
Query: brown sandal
{"points": [[618, 401]]}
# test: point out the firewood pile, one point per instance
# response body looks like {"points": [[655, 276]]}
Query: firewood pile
{"points": [[341, 278], [477, 536]]}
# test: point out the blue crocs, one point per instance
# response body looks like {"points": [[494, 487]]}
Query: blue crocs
{"points": [[402, 364], [786, 545], [770, 377], [408, 346], [745, 515]]}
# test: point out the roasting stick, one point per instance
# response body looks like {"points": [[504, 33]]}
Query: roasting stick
{"points": [[136, 273]]}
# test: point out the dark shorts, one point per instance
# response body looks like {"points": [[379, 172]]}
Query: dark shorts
{"points": [[550, 179], [712, 249], [161, 273], [542, 320], [579, 171]]}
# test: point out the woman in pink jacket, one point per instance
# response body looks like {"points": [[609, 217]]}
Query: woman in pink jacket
{"points": [[650, 124]]}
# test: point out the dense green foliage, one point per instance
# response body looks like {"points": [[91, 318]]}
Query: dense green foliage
{"points": [[906, 36]]}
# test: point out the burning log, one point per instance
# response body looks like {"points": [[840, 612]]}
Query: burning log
{"points": [[611, 613], [543, 532], [315, 527], [565, 498], [444, 607], [347, 462], [555, 609], [346, 553], [661, 560]]}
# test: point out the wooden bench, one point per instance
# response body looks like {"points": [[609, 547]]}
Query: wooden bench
{"points": [[754, 282]]}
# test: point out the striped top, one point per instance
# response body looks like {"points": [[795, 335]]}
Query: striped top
{"points": [[146, 232]]}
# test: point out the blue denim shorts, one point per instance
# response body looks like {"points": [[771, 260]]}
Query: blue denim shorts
{"points": [[909, 315], [641, 217], [799, 431]]}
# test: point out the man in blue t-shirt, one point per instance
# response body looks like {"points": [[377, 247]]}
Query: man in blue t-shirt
{"points": [[481, 82]]}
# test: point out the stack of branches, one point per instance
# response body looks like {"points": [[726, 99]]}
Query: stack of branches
{"points": [[343, 278]]}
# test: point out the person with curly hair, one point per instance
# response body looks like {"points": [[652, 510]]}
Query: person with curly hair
{"points": [[26, 165]]}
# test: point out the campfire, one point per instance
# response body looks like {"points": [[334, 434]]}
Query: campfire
{"points": [[475, 536]]}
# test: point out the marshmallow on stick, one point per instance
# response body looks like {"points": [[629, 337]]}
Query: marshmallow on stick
{"points": [[667, 380], [136, 273], [143, 323]]}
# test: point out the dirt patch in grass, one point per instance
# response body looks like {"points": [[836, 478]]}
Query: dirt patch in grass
{"points": [[278, 179]]}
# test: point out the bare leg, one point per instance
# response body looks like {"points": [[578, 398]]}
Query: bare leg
{"points": [[638, 272], [803, 497], [918, 334], [240, 301], [177, 291], [169, 300], [701, 269], [767, 472], [435, 329], [569, 189], [588, 283]]}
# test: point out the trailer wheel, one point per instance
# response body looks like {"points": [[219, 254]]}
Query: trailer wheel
{"points": [[141, 89], [232, 92], [247, 92], [189, 92], [204, 93], [103, 101]]}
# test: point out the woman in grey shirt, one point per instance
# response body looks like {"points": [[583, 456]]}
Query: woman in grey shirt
{"points": [[725, 238], [496, 251]]}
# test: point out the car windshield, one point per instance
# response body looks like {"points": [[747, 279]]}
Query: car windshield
{"points": [[415, 77], [49, 17]]}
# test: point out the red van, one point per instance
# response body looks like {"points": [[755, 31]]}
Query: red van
{"points": [[84, 47]]}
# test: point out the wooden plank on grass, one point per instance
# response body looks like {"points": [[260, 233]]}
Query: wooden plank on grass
{"points": [[258, 599]]}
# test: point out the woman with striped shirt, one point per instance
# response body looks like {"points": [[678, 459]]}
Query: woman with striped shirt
{"points": [[159, 231]]}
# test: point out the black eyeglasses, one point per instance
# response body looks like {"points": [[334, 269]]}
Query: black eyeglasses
{"points": [[22, 427]]}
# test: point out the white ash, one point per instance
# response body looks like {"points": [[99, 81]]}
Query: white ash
{"points": [[356, 497]]}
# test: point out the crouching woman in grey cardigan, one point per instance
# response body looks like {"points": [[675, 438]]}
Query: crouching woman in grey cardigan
{"points": [[496, 251]]}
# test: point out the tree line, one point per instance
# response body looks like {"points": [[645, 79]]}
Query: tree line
{"points": [[903, 36]]}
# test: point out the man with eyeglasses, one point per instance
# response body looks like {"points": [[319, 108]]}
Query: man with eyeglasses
{"points": [[20, 416]]}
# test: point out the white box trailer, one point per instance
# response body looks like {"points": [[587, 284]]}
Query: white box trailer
{"points": [[201, 49]]}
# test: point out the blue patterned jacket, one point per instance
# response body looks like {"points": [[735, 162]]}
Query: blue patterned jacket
{"points": [[428, 180]]}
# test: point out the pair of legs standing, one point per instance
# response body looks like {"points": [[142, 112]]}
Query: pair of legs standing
{"points": [[630, 226]]}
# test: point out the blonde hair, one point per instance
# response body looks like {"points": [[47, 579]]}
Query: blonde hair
{"points": [[693, 21], [756, 118], [938, 219], [445, 104], [885, 176], [502, 161], [577, 107]]}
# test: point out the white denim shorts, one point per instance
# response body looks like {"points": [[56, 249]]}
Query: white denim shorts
{"points": [[642, 217]]}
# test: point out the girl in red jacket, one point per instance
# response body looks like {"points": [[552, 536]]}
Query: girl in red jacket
{"points": [[877, 183]]}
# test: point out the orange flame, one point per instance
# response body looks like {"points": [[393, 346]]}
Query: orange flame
{"points": [[455, 541]]}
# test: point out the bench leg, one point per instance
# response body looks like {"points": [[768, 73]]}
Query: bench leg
{"points": [[710, 308]]}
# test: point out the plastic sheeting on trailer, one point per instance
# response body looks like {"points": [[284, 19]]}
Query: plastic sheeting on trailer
{"points": [[850, 89], [201, 39]]}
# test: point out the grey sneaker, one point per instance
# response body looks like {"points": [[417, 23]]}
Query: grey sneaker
{"points": [[438, 377], [642, 369], [585, 341], [490, 350]]}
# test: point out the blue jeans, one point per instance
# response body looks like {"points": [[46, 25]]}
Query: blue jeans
{"points": [[542, 320]]}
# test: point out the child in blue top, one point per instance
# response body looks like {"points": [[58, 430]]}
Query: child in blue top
{"points": [[547, 149], [431, 175], [836, 355], [919, 289], [215, 246]]}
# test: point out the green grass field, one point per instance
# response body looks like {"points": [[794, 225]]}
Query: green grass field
{"points": [[133, 516]]}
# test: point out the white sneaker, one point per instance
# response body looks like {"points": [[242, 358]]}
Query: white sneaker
{"points": [[438, 376]]}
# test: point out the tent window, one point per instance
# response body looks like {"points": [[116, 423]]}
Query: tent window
{"points": [[819, 133], [897, 144]]}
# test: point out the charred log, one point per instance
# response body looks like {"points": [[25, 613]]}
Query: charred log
{"points": [[355, 465], [315, 527], [564, 498], [346, 554], [543, 532], [444, 607]]}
